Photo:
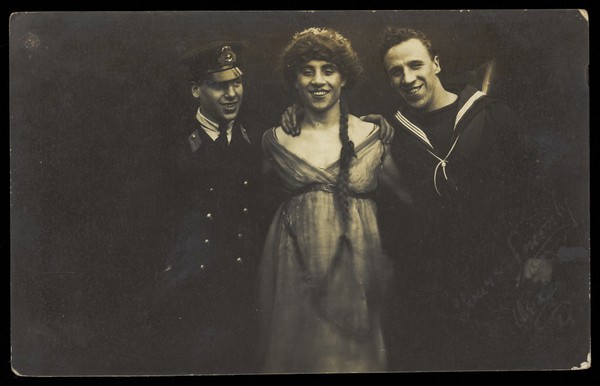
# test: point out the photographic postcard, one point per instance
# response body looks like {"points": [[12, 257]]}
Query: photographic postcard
{"points": [[96, 99]]}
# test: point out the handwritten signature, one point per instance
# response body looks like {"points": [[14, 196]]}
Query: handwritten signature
{"points": [[470, 300], [540, 309], [550, 232]]}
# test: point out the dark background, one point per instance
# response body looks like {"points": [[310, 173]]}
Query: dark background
{"points": [[94, 95]]}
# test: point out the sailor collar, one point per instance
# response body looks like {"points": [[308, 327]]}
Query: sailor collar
{"points": [[422, 137]]}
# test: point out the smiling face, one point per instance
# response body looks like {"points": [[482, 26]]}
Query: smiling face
{"points": [[319, 84], [219, 101], [413, 74]]}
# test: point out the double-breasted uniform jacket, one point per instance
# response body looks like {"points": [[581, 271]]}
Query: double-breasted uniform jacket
{"points": [[207, 284]]}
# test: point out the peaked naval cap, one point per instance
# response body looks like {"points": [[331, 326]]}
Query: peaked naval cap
{"points": [[217, 61]]}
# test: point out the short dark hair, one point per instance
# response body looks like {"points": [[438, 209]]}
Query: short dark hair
{"points": [[392, 36], [320, 44]]}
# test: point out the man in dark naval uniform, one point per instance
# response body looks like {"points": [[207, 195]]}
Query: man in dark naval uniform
{"points": [[466, 169], [206, 312]]}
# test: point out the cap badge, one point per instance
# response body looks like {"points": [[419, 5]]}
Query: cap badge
{"points": [[227, 56]]}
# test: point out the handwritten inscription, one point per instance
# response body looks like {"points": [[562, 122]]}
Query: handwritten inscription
{"points": [[541, 310], [470, 300], [543, 239]]}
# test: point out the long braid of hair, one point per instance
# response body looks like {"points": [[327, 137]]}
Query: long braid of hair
{"points": [[346, 155], [346, 320]]}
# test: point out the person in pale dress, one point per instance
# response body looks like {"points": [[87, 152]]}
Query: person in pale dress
{"points": [[323, 272]]}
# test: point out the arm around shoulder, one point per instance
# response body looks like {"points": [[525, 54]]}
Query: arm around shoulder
{"points": [[391, 176]]}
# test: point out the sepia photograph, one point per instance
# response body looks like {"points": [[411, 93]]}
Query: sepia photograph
{"points": [[299, 192]]}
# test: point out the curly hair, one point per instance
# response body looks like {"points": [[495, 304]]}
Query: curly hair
{"points": [[329, 45], [392, 36], [320, 44]]}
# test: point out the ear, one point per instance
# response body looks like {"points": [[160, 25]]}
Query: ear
{"points": [[436, 64], [195, 89], [343, 82]]}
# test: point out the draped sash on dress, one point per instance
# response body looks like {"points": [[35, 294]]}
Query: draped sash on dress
{"points": [[302, 284]]}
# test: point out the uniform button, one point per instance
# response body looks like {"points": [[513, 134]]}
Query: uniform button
{"points": [[206, 241], [211, 189], [209, 216], [168, 268], [240, 235], [201, 266], [245, 182], [245, 210], [193, 136], [239, 260]]}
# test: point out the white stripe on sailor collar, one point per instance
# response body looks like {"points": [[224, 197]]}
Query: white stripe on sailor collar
{"points": [[413, 128], [467, 106], [421, 134], [442, 162]]}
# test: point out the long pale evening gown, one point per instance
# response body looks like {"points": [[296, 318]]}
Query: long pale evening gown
{"points": [[320, 312]]}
